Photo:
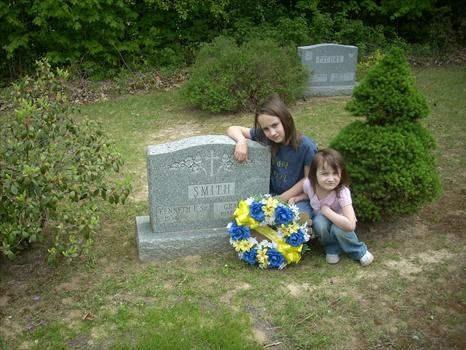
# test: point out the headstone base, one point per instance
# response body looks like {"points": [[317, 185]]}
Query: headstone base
{"points": [[170, 245], [330, 91]]}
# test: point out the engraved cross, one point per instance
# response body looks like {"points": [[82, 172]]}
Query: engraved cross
{"points": [[212, 158]]}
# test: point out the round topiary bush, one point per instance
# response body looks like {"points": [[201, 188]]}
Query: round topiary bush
{"points": [[392, 168], [390, 156], [228, 77], [387, 94]]}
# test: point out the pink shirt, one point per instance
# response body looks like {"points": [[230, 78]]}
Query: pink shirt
{"points": [[332, 200]]}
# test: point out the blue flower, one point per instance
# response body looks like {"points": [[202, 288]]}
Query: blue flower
{"points": [[238, 232], [283, 215], [255, 210], [250, 256], [296, 239], [276, 259]]}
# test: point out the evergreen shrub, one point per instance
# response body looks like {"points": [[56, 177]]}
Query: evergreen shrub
{"points": [[228, 77], [52, 170], [392, 168], [389, 156], [387, 94]]}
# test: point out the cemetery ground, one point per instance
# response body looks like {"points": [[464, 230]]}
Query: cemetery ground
{"points": [[412, 297]]}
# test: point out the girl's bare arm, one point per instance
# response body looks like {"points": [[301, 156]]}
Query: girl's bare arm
{"points": [[300, 197], [240, 135], [346, 220]]}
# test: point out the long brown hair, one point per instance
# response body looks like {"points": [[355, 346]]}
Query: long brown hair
{"points": [[334, 160], [274, 106]]}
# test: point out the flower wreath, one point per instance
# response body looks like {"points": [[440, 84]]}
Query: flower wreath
{"points": [[273, 219]]}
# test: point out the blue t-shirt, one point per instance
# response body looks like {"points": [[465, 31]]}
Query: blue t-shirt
{"points": [[288, 164]]}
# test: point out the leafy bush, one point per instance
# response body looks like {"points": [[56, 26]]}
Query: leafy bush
{"points": [[392, 168], [52, 170], [292, 31], [285, 31], [367, 62], [228, 77], [387, 94], [389, 156]]}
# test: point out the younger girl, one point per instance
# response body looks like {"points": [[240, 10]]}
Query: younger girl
{"points": [[292, 152], [334, 220]]}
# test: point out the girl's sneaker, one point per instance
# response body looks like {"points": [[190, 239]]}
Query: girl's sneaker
{"points": [[332, 258], [366, 259]]}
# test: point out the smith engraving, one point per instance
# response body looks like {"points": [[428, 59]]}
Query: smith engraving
{"points": [[211, 190]]}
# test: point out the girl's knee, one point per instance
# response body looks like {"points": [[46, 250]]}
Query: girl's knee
{"points": [[319, 223], [344, 237], [335, 230]]}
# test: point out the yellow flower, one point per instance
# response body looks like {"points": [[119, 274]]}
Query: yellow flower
{"points": [[270, 205], [262, 257], [289, 229], [242, 245], [242, 215]]}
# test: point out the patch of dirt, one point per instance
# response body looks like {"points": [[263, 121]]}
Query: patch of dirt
{"points": [[296, 290], [77, 282], [228, 296], [176, 132], [262, 331], [408, 267], [193, 262], [265, 333]]}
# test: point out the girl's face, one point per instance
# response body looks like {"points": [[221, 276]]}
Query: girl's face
{"points": [[327, 177], [272, 127]]}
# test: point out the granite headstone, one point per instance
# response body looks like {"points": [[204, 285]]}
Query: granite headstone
{"points": [[194, 185], [332, 68]]}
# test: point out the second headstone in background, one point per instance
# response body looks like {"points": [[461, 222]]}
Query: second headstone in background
{"points": [[332, 67]]}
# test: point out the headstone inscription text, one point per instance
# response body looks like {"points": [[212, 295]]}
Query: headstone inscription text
{"points": [[194, 185], [332, 67]]}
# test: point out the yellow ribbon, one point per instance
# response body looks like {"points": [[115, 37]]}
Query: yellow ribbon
{"points": [[291, 254], [242, 216]]}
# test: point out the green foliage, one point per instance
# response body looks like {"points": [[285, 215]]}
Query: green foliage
{"points": [[365, 64], [228, 77], [390, 156], [387, 94], [285, 31], [392, 168], [52, 170]]}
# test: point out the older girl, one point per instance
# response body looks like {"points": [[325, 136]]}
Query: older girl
{"points": [[292, 152]]}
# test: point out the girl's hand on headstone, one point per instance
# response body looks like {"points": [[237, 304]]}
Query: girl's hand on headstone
{"points": [[241, 150]]}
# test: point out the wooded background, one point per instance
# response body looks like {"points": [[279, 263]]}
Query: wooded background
{"points": [[100, 37]]}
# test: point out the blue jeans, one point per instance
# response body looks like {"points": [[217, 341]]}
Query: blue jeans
{"points": [[335, 240], [305, 207]]}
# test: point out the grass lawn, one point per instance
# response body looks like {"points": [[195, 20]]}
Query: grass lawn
{"points": [[412, 297]]}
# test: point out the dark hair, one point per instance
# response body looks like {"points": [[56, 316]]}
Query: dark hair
{"points": [[334, 160], [274, 106]]}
